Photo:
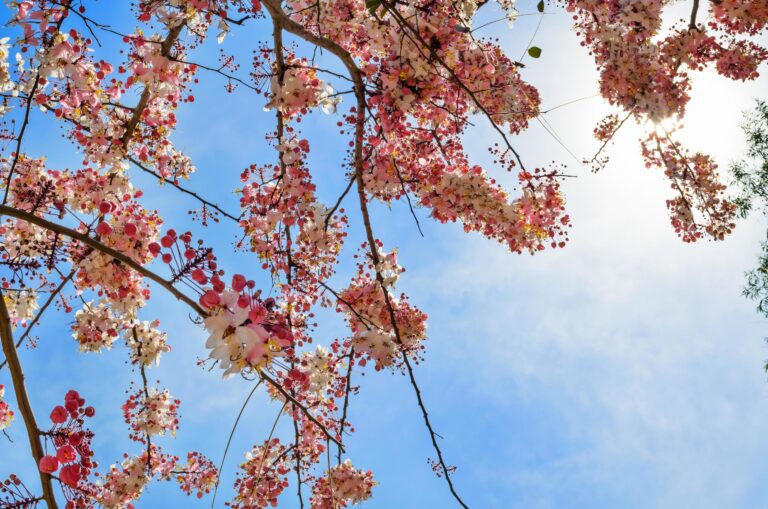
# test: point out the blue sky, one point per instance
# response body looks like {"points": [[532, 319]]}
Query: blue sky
{"points": [[623, 371]]}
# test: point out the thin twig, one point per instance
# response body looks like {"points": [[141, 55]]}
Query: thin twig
{"points": [[40, 312], [184, 190], [229, 440]]}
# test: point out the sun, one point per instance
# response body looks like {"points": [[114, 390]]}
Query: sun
{"points": [[666, 125]]}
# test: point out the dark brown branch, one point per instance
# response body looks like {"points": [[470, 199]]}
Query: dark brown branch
{"points": [[346, 399], [298, 463], [218, 71], [145, 385], [362, 319], [694, 13], [22, 399], [407, 196], [393, 320], [338, 202], [20, 137], [610, 137], [95, 244]]}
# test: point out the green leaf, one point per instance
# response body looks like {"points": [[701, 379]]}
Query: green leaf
{"points": [[540, 6], [372, 6], [534, 51]]}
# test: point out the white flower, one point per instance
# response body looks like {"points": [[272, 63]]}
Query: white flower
{"points": [[234, 345], [329, 102], [146, 342], [21, 305], [380, 346], [96, 327], [223, 31], [317, 365]]}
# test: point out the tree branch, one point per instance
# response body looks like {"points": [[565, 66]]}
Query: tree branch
{"points": [[271, 381], [95, 244], [22, 399]]}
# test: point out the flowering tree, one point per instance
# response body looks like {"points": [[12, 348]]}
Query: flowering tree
{"points": [[81, 240]]}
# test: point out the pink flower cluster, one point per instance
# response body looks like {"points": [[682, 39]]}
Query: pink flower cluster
{"points": [[246, 333], [262, 477], [742, 16], [73, 456], [151, 412], [364, 304], [122, 485], [342, 485], [198, 474], [301, 89], [6, 414], [281, 197], [700, 206], [96, 327]]}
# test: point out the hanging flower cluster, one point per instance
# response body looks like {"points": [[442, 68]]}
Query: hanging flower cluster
{"points": [[146, 342], [198, 474], [368, 313], [21, 305], [342, 485], [318, 369], [261, 478], [300, 89], [6, 82], [699, 206], [96, 327], [73, 458], [151, 412]]}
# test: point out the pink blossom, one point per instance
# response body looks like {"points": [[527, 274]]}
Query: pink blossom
{"points": [[49, 464]]}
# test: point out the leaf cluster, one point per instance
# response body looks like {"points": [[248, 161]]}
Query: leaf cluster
{"points": [[750, 176]]}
